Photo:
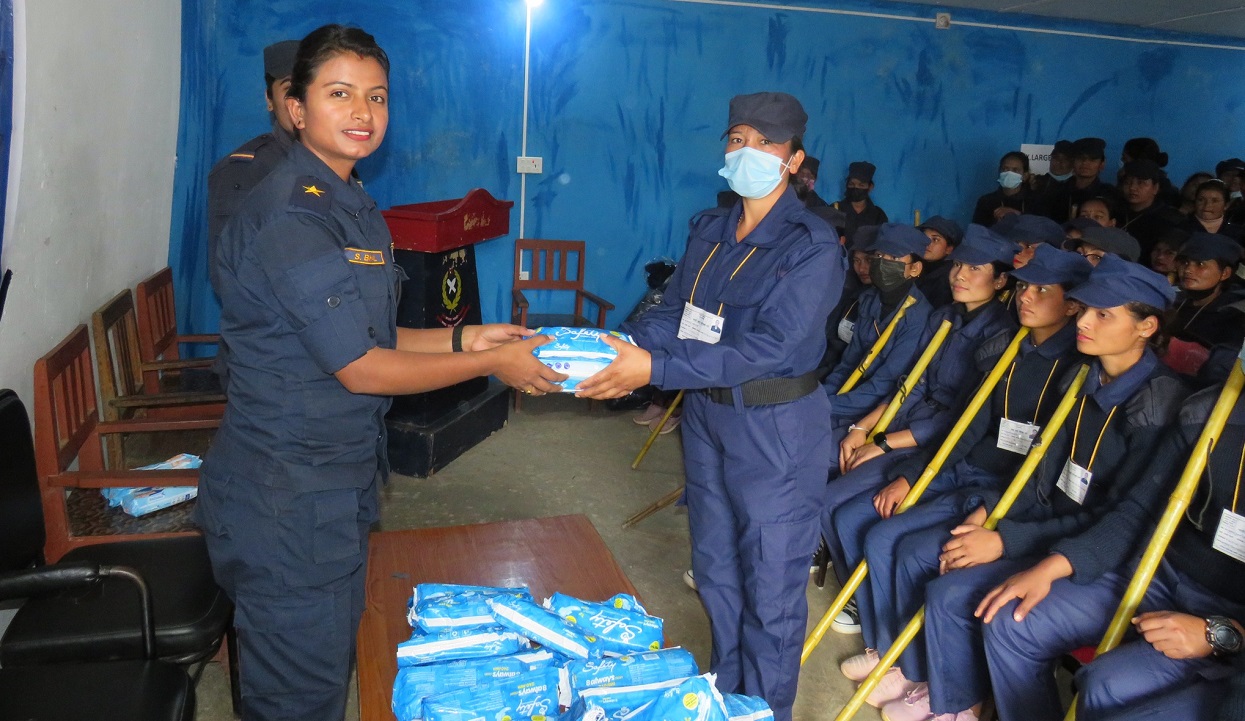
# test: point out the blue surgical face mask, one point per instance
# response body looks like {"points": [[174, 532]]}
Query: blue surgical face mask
{"points": [[753, 173], [1060, 178], [1009, 179]]}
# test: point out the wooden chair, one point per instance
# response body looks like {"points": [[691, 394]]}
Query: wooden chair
{"points": [[67, 427], [157, 331], [551, 265], [122, 374]]}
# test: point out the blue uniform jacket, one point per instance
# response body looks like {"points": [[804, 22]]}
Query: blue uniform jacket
{"points": [[1147, 398], [880, 379], [970, 350], [308, 286], [775, 307]]}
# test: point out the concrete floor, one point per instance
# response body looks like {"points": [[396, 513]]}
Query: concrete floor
{"points": [[559, 457]]}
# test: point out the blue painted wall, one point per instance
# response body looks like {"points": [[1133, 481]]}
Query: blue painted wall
{"points": [[628, 98]]}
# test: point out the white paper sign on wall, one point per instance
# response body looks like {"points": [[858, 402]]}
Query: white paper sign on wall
{"points": [[1039, 157]]}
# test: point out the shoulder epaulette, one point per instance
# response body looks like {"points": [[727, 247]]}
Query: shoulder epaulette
{"points": [[987, 354], [709, 213], [311, 194]]}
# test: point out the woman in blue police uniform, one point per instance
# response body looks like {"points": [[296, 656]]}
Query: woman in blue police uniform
{"points": [[742, 327], [309, 296]]}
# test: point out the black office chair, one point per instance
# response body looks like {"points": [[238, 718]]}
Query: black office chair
{"points": [[146, 689], [102, 623]]}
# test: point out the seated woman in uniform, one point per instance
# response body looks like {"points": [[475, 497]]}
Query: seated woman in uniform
{"points": [[1096, 242], [944, 235], [841, 323], [1163, 254], [1208, 311], [1028, 232], [894, 266], [1210, 209], [1104, 446], [742, 328], [1013, 196], [981, 329], [1189, 621], [986, 456]]}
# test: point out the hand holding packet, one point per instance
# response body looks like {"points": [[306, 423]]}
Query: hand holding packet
{"points": [[577, 352]]}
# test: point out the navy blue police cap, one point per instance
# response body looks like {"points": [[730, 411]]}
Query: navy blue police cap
{"points": [[945, 227], [982, 245], [861, 170], [900, 239], [1211, 246], [1051, 266], [1034, 229], [1095, 148], [1144, 169], [1116, 281], [1080, 223], [1062, 147], [864, 238], [279, 59], [1112, 240], [777, 116]]}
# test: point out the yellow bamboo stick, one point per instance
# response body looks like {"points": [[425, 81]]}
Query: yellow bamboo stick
{"points": [[914, 377], [652, 436], [878, 345], [1177, 504], [1022, 476], [927, 476]]}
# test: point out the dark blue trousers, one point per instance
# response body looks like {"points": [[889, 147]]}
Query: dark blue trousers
{"points": [[294, 564], [755, 482], [848, 511], [1198, 701], [1022, 655], [958, 677]]}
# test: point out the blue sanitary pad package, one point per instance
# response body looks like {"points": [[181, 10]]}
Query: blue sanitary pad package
{"points": [[451, 644], [415, 683], [141, 501], [577, 352], [696, 699], [620, 630], [528, 695], [747, 708], [460, 609], [623, 701], [544, 626], [636, 669]]}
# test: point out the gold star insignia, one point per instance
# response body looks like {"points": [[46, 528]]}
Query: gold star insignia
{"points": [[312, 190]]}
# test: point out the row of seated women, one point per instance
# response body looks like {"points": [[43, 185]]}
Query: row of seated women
{"points": [[1004, 605]]}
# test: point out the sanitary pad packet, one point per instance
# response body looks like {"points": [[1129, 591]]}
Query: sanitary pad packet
{"points": [[620, 630], [143, 500], [458, 609], [747, 708], [451, 644], [636, 669], [696, 699], [528, 695], [544, 626], [577, 352], [415, 683]]}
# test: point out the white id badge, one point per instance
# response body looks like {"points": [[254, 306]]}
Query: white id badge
{"points": [[846, 328], [700, 324], [1230, 536], [1015, 436], [1074, 481]]}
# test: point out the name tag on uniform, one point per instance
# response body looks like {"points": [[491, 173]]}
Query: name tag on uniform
{"points": [[1015, 436], [365, 257], [700, 324], [846, 329], [1230, 536], [1074, 481]]}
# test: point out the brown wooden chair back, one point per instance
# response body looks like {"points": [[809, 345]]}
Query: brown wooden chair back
{"points": [[156, 312]]}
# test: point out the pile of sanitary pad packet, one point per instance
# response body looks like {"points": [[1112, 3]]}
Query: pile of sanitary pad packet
{"points": [[481, 653]]}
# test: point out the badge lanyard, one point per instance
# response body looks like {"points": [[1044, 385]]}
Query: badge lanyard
{"points": [[698, 323], [1230, 535], [1074, 480], [1017, 436]]}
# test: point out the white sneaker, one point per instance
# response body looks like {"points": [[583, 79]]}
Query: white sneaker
{"points": [[690, 580], [848, 620]]}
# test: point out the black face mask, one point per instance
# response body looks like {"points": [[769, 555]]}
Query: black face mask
{"points": [[855, 195], [887, 275]]}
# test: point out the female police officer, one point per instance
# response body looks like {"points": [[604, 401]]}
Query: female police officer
{"points": [[308, 289], [743, 328]]}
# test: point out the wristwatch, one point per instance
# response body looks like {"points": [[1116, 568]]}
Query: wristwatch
{"points": [[879, 440], [1223, 636]]}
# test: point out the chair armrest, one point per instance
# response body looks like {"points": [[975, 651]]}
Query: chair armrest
{"points": [[598, 300], [518, 297], [147, 425], [198, 338], [176, 365], [164, 400], [125, 479]]}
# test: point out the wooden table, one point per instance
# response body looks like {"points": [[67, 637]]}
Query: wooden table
{"points": [[563, 553]]}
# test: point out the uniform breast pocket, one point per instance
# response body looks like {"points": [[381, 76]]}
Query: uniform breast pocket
{"points": [[326, 280]]}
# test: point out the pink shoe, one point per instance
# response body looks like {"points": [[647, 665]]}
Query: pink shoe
{"points": [[966, 715], [892, 687], [671, 423], [649, 414], [912, 706], [859, 666]]}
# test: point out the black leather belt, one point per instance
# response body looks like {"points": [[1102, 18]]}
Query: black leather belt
{"points": [[770, 391]]}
